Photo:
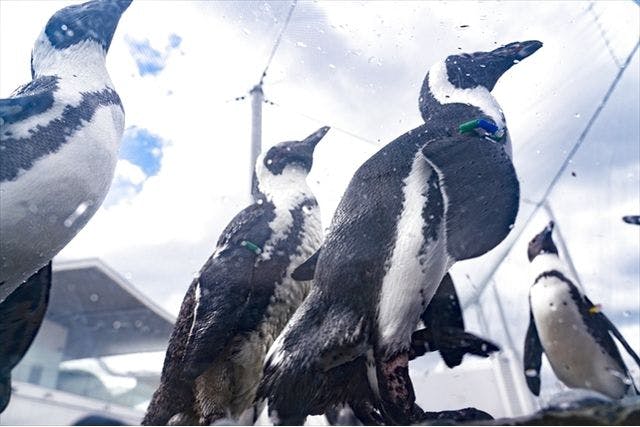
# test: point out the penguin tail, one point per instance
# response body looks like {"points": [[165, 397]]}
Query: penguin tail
{"points": [[314, 364]]}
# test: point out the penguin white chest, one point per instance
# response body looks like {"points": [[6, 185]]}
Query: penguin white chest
{"points": [[46, 205], [416, 264], [573, 353]]}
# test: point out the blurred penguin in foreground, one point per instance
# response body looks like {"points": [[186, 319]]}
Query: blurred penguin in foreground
{"points": [[59, 140]]}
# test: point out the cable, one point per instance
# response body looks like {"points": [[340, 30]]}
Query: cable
{"points": [[557, 176], [603, 34], [361, 138], [278, 40]]}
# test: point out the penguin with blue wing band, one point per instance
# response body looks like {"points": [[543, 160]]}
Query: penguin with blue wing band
{"points": [[243, 297], [572, 331], [429, 198], [59, 140]]}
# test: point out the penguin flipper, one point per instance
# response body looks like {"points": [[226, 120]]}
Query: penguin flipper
{"points": [[532, 357], [608, 324], [33, 98], [21, 315], [444, 311], [306, 270], [482, 191]]}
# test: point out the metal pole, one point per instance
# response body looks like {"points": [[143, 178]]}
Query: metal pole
{"points": [[257, 97]]}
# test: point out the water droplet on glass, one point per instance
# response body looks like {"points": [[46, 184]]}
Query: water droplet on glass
{"points": [[333, 67], [269, 161], [94, 297], [82, 207], [117, 324], [301, 44], [531, 373], [576, 115], [483, 347], [516, 61], [626, 313], [260, 201], [64, 27]]}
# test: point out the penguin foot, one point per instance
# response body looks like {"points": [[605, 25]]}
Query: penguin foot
{"points": [[396, 390], [459, 415]]}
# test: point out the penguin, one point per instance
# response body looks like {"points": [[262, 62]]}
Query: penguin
{"points": [[442, 192], [572, 331], [59, 139], [243, 297], [443, 332]]}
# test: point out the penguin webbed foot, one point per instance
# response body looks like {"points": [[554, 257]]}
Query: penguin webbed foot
{"points": [[458, 415], [396, 391]]}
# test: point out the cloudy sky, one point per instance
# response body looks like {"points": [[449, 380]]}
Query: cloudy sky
{"points": [[184, 162]]}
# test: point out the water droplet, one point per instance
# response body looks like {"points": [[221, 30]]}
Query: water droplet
{"points": [[117, 324], [516, 61], [64, 27], [301, 44], [626, 313], [269, 161], [333, 67], [576, 115], [94, 297], [260, 201], [483, 347], [82, 207], [531, 373]]}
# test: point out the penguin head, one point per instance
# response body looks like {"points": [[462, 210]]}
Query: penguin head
{"points": [[469, 70], [94, 21], [284, 165], [293, 154], [542, 243]]}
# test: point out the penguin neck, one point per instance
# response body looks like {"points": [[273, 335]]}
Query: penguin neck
{"points": [[546, 262], [83, 63], [438, 92], [286, 188]]}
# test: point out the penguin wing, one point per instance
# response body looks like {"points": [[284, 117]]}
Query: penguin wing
{"points": [[444, 311], [444, 329], [482, 192], [601, 322], [33, 98], [532, 356], [307, 269], [21, 315], [229, 300]]}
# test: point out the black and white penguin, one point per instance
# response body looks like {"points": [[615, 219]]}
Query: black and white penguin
{"points": [[442, 192], [571, 330], [59, 139], [243, 297], [443, 331]]}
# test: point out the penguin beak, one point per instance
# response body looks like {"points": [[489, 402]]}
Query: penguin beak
{"points": [[94, 20], [313, 139], [517, 51]]}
